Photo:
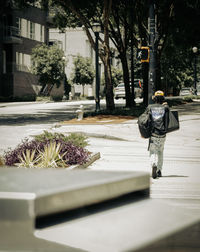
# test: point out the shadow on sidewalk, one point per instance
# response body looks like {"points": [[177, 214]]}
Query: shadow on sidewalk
{"points": [[175, 176]]}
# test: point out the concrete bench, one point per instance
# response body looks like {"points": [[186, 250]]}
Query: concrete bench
{"points": [[61, 210], [29, 194]]}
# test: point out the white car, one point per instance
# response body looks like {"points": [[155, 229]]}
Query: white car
{"points": [[186, 91], [119, 91]]}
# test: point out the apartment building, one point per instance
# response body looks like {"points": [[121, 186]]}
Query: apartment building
{"points": [[20, 31]]}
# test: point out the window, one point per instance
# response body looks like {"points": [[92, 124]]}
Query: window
{"points": [[89, 50], [32, 30], [19, 61], [19, 24], [23, 27], [23, 62], [27, 28], [41, 33]]}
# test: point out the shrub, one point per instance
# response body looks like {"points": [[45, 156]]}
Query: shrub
{"points": [[73, 154], [12, 157], [77, 139], [69, 152]]}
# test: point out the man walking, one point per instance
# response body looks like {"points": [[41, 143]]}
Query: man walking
{"points": [[159, 119]]}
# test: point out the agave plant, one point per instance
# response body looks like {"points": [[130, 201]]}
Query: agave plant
{"points": [[50, 157], [27, 159]]}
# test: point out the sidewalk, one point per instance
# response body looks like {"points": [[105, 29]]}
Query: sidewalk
{"points": [[123, 149]]}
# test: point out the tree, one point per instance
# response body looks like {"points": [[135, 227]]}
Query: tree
{"points": [[178, 33], [127, 21], [71, 13], [48, 64], [83, 72], [117, 77]]}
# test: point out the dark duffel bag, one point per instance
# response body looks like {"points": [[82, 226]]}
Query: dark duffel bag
{"points": [[144, 124], [173, 121]]}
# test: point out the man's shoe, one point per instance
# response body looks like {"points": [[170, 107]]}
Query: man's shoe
{"points": [[159, 173], [154, 172]]}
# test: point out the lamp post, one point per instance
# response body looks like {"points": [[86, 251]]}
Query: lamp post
{"points": [[97, 29], [195, 50], [152, 60]]}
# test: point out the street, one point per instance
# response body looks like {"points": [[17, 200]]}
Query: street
{"points": [[120, 145]]}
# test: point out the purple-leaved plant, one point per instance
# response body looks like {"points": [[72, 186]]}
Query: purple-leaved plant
{"points": [[73, 154]]}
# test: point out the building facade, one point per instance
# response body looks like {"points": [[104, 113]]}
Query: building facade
{"points": [[20, 31], [75, 42]]}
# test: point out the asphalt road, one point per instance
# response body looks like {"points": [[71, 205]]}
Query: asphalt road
{"points": [[21, 113]]}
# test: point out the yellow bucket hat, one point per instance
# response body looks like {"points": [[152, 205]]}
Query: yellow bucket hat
{"points": [[159, 93]]}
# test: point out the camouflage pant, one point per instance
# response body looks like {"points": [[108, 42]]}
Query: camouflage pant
{"points": [[156, 151]]}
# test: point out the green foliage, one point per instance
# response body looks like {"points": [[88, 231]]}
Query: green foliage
{"points": [[77, 139], [177, 32], [64, 16], [50, 156], [27, 159], [117, 76], [176, 65], [48, 150], [48, 64], [83, 72]]}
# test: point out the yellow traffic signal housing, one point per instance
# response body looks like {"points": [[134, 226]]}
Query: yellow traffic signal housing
{"points": [[145, 54]]}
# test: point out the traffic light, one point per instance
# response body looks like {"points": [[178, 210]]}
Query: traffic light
{"points": [[144, 54]]}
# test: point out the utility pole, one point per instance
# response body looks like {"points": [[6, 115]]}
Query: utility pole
{"points": [[152, 60], [132, 55]]}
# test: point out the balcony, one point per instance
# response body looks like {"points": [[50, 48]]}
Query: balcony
{"points": [[12, 35]]}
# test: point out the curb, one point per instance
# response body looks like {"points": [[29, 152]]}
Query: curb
{"points": [[95, 135], [93, 158]]}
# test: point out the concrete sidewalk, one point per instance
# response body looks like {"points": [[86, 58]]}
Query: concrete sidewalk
{"points": [[122, 149]]}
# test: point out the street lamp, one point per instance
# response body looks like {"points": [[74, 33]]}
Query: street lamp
{"points": [[97, 29], [152, 58], [195, 50]]}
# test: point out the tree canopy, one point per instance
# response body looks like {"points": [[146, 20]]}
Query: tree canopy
{"points": [[48, 63], [125, 22], [83, 72]]}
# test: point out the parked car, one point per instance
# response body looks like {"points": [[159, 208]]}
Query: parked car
{"points": [[186, 91], [119, 91]]}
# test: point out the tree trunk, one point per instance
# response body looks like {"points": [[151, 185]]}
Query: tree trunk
{"points": [[145, 70], [107, 71], [126, 79]]}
